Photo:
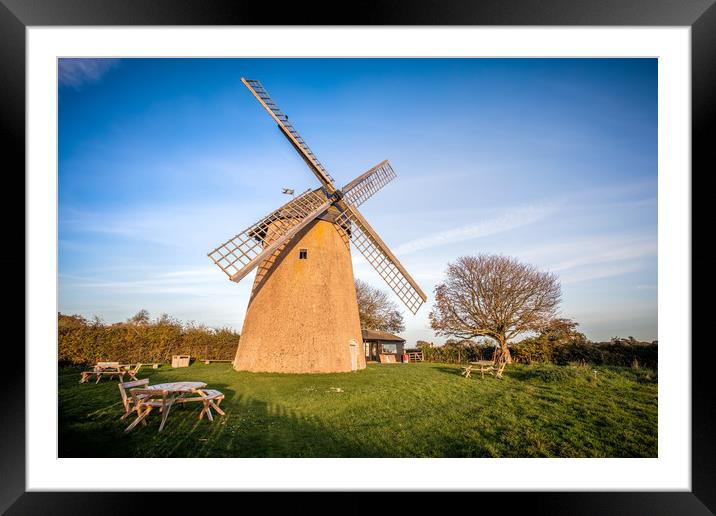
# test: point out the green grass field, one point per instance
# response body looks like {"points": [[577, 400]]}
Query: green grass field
{"points": [[388, 410]]}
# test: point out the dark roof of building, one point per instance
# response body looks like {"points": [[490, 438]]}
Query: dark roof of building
{"points": [[377, 335]]}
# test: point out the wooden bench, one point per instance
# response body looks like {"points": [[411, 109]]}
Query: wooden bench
{"points": [[208, 361], [164, 396], [144, 401], [211, 398], [85, 375], [105, 369], [483, 366], [128, 401]]}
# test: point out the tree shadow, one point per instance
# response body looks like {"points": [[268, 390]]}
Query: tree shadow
{"points": [[521, 373], [456, 370], [453, 371], [250, 428]]}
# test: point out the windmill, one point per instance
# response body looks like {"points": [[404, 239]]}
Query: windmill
{"points": [[302, 316]]}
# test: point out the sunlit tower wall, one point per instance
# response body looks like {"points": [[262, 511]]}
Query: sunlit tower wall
{"points": [[303, 312]]}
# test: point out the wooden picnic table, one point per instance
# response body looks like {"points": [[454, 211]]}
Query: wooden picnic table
{"points": [[109, 369], [173, 392], [117, 367], [484, 366], [177, 388]]}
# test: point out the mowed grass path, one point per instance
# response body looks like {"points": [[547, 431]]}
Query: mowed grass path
{"points": [[388, 410]]}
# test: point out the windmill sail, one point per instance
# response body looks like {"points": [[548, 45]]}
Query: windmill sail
{"points": [[367, 184], [241, 254], [376, 252], [290, 132], [245, 251]]}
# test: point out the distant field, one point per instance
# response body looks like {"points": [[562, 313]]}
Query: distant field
{"points": [[387, 410]]}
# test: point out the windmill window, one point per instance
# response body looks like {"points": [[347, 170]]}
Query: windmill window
{"points": [[303, 254]]}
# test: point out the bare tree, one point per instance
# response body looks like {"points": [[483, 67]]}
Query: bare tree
{"points": [[496, 297], [140, 318], [376, 310]]}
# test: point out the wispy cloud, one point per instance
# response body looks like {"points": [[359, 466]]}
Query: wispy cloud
{"points": [[618, 250], [512, 219], [196, 226], [594, 257], [198, 282], [600, 272], [567, 253], [78, 72]]}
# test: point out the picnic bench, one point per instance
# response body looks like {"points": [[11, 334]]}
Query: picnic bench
{"points": [[483, 366], [128, 401], [111, 369], [164, 395]]}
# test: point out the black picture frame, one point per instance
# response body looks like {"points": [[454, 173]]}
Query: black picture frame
{"points": [[17, 15]]}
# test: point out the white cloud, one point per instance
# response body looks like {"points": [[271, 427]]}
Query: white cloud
{"points": [[199, 282], [512, 219], [78, 72], [202, 294], [597, 252], [588, 251], [199, 227], [600, 272]]}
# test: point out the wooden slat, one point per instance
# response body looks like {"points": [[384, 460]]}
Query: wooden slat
{"points": [[377, 253], [238, 256], [367, 184], [258, 91]]}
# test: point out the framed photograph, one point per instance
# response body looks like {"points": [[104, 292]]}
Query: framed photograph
{"points": [[471, 269]]}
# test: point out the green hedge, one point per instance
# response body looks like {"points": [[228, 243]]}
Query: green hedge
{"points": [[458, 354], [618, 353], [83, 342]]}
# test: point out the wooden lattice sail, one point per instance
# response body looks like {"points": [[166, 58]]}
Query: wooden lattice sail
{"points": [[303, 313]]}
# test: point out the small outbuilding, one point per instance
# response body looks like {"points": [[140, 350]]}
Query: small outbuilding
{"points": [[378, 343]]}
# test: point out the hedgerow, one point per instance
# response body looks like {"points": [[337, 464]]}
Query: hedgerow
{"points": [[83, 341], [617, 352]]}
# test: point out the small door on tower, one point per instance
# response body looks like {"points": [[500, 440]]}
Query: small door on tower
{"points": [[353, 345]]}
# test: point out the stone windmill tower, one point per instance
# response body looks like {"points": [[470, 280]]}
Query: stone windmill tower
{"points": [[303, 312]]}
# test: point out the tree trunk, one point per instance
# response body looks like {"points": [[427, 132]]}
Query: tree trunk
{"points": [[503, 352]]}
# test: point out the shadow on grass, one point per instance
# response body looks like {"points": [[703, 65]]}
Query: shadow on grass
{"points": [[519, 372], [457, 371], [251, 428], [424, 411], [453, 371]]}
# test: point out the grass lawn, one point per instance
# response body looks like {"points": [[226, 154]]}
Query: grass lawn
{"points": [[386, 410]]}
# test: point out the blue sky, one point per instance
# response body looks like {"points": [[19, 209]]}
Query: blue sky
{"points": [[552, 161]]}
